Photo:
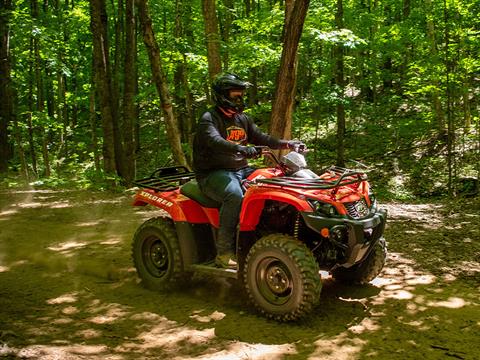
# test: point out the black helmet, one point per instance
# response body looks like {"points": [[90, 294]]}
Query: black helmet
{"points": [[221, 87]]}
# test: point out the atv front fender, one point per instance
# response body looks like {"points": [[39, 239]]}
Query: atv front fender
{"points": [[363, 234]]}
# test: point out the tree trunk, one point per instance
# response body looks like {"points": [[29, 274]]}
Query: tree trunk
{"points": [[6, 98], [31, 130], [212, 37], [160, 82], [183, 94], [228, 19], [284, 100], [129, 109], [98, 26], [340, 82], [437, 104]]}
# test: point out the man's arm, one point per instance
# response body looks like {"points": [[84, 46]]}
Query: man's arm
{"points": [[212, 138], [258, 137]]}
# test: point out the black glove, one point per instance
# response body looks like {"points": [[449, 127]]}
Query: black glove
{"points": [[248, 151], [297, 146]]}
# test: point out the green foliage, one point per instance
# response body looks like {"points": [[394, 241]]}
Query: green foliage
{"points": [[396, 63]]}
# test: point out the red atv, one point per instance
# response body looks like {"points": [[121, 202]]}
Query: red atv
{"points": [[293, 224]]}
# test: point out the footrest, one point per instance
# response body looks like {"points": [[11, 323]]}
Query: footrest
{"points": [[213, 270]]}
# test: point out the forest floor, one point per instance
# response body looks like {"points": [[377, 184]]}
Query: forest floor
{"points": [[68, 291]]}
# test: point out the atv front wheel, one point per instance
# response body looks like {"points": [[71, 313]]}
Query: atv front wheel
{"points": [[367, 270], [282, 277], [156, 253]]}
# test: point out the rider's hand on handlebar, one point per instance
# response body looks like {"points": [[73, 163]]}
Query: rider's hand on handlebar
{"points": [[297, 146], [248, 151]]}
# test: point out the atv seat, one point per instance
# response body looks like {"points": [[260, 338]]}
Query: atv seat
{"points": [[192, 191]]}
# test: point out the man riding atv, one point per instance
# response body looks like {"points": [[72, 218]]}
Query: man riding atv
{"points": [[220, 154]]}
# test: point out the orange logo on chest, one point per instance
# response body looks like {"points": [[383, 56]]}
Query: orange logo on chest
{"points": [[236, 134]]}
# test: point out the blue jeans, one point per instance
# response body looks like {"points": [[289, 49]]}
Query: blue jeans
{"points": [[225, 187]]}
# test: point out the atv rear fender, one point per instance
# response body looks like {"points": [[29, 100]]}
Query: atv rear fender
{"points": [[178, 206]]}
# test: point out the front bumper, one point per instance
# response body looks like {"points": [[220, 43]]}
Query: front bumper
{"points": [[362, 234]]}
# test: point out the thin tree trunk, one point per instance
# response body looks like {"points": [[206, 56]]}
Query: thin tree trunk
{"points": [[31, 138], [437, 104], [129, 110], [340, 82], [284, 100], [6, 98], [229, 7], [160, 82], [93, 128], [212, 37], [183, 94], [102, 80]]}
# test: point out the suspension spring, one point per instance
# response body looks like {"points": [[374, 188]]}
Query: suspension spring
{"points": [[296, 228]]}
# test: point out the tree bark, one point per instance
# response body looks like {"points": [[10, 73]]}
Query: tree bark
{"points": [[212, 37], [340, 82], [227, 25], [98, 26], [183, 94], [436, 102], [6, 98], [160, 82], [284, 100], [130, 85]]}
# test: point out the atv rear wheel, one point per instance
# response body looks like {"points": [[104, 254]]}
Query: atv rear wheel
{"points": [[367, 270], [282, 277], [156, 253]]}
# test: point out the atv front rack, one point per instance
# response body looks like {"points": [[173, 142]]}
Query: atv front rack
{"points": [[339, 177], [166, 179]]}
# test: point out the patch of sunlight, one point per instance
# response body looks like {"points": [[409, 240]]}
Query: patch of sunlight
{"points": [[381, 281], [366, 324], [426, 214], [70, 310], [110, 242], [59, 205], [168, 335], [8, 212], [399, 295], [339, 347], [4, 268], [215, 316], [146, 316], [89, 334], [62, 352], [89, 223], [451, 303], [30, 205], [399, 280], [66, 298], [67, 246], [449, 278], [112, 313], [420, 280], [241, 350]]}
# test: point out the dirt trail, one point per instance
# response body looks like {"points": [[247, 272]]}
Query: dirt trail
{"points": [[68, 291]]}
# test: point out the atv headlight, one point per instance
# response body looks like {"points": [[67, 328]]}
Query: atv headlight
{"points": [[323, 208]]}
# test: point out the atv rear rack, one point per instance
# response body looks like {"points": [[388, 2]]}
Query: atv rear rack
{"points": [[341, 176], [166, 179]]}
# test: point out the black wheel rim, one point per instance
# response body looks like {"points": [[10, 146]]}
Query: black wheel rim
{"points": [[274, 281], [155, 256]]}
